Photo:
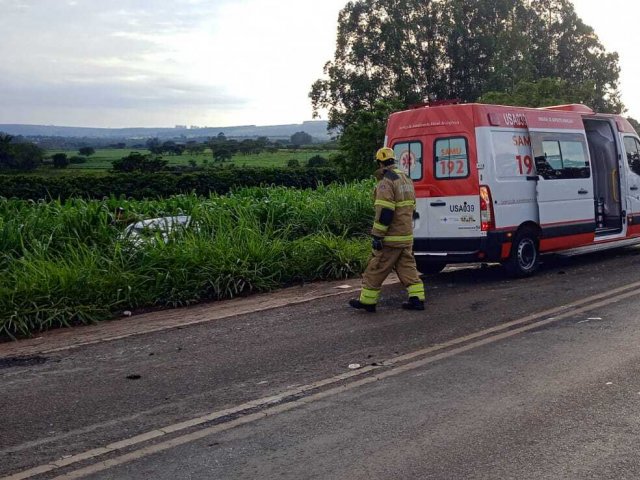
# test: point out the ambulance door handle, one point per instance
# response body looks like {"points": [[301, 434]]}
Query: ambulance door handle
{"points": [[582, 191], [634, 188], [438, 204]]}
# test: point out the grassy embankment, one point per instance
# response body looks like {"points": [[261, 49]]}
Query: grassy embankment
{"points": [[67, 263]]}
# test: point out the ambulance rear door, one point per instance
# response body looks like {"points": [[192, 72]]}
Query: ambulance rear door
{"points": [[446, 181]]}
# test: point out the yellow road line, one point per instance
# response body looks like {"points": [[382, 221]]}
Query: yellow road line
{"points": [[490, 335]]}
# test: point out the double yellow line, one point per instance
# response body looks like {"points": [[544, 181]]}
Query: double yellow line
{"points": [[220, 421]]}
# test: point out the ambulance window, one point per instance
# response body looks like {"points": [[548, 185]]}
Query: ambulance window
{"points": [[451, 158], [632, 147], [409, 158], [560, 156]]}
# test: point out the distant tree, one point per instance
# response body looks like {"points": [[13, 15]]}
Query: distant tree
{"points": [[130, 163], [292, 162], [137, 162], [221, 138], [222, 149], [195, 148], [301, 138], [154, 146], [635, 124], [246, 147], [153, 164], [362, 138], [167, 147], [60, 160], [19, 156], [171, 147], [87, 151], [221, 152], [28, 156], [5, 150]]}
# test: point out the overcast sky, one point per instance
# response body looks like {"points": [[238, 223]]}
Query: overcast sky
{"points": [[118, 63]]}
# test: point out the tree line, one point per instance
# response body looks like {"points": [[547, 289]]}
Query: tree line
{"points": [[18, 153]]}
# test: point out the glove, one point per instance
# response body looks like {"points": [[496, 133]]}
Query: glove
{"points": [[376, 243]]}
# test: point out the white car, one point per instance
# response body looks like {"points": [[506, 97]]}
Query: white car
{"points": [[154, 229]]}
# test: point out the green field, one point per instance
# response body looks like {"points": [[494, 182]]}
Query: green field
{"points": [[100, 161]]}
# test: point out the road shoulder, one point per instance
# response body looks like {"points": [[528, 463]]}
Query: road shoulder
{"points": [[64, 339]]}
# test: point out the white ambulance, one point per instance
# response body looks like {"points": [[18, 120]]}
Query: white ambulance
{"points": [[506, 184]]}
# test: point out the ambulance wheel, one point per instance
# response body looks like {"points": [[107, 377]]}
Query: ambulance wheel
{"points": [[524, 258], [430, 268]]}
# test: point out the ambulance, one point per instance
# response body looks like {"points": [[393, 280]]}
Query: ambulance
{"points": [[507, 184]]}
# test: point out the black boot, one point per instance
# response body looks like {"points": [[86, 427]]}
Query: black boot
{"points": [[414, 303], [355, 303]]}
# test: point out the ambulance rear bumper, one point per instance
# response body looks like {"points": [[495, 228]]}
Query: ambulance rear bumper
{"points": [[460, 250]]}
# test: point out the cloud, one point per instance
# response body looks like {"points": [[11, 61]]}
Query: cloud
{"points": [[114, 54], [115, 93], [193, 61]]}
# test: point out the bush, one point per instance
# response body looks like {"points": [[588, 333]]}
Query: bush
{"points": [[60, 160], [87, 151], [317, 161], [293, 163], [162, 184], [137, 162]]}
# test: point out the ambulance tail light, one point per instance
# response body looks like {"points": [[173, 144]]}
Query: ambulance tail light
{"points": [[487, 221]]}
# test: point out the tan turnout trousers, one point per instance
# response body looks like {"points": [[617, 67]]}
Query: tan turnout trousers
{"points": [[395, 203], [381, 264]]}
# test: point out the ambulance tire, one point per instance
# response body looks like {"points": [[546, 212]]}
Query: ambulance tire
{"points": [[430, 268], [525, 255]]}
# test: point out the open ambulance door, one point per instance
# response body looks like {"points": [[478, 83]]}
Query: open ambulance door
{"points": [[565, 188]]}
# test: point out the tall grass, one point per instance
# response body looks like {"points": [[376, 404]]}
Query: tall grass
{"points": [[68, 263]]}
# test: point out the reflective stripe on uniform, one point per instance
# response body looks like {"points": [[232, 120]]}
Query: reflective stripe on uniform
{"points": [[404, 238], [379, 226], [384, 203], [369, 296], [408, 203], [416, 290]]}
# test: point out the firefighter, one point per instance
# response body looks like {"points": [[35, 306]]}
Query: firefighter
{"points": [[392, 237]]}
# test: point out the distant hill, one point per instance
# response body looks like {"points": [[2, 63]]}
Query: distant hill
{"points": [[317, 129]]}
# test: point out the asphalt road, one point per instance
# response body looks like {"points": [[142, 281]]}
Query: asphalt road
{"points": [[556, 400]]}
